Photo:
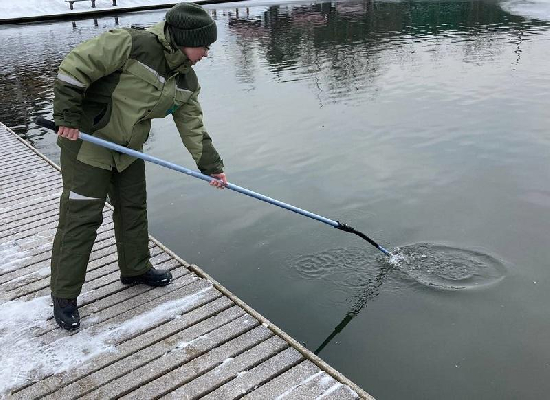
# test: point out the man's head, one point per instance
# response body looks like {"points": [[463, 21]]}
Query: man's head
{"points": [[192, 29]]}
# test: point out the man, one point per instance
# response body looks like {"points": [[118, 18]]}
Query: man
{"points": [[112, 86]]}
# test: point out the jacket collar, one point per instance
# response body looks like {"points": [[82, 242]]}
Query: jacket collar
{"points": [[177, 61]]}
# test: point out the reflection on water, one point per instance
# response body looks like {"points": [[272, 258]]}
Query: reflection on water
{"points": [[334, 46], [415, 121], [358, 272], [337, 46], [362, 274]]}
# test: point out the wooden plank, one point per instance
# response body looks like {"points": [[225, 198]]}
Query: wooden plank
{"points": [[29, 204], [188, 361], [45, 174], [30, 189], [49, 210], [247, 380], [285, 383], [24, 171], [188, 339], [29, 186], [312, 387], [208, 315], [141, 296], [23, 230], [229, 369], [97, 260], [96, 279], [26, 164], [106, 241], [338, 391], [128, 301], [49, 190]]}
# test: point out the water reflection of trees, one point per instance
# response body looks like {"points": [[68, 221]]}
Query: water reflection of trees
{"points": [[339, 45], [25, 87], [340, 48], [365, 295]]}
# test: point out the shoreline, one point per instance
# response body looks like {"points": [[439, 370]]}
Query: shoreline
{"points": [[100, 12]]}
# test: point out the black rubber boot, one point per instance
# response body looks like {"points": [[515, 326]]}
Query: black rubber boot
{"points": [[153, 277], [66, 313]]}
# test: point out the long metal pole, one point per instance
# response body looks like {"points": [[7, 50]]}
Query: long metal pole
{"points": [[134, 153]]}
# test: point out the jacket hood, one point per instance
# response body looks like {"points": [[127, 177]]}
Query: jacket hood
{"points": [[177, 61]]}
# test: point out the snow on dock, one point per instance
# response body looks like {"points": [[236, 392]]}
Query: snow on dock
{"points": [[191, 339], [17, 11], [29, 10]]}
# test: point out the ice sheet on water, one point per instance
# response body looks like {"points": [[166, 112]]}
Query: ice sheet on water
{"points": [[535, 9], [25, 356]]}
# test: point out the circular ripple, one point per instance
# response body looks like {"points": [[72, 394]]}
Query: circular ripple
{"points": [[445, 267], [329, 262]]}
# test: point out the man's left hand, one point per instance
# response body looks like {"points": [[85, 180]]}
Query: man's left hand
{"points": [[220, 180]]}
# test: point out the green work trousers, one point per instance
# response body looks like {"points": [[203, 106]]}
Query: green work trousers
{"points": [[85, 189]]}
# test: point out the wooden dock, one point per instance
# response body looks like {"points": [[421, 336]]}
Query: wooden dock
{"points": [[191, 339]]}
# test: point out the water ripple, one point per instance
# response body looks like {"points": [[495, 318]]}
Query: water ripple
{"points": [[445, 267]]}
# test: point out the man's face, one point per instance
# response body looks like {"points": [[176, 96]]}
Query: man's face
{"points": [[195, 54]]}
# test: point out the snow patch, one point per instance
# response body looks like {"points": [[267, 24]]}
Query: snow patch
{"points": [[32, 276], [26, 356], [535, 9], [159, 313], [10, 9], [183, 344], [326, 380], [224, 363], [329, 391], [12, 256], [33, 8], [308, 379]]}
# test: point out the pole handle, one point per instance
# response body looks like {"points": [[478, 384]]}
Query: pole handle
{"points": [[258, 196]]}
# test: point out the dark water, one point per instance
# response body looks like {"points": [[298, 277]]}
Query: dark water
{"points": [[423, 124]]}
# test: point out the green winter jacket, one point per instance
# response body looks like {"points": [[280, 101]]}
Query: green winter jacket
{"points": [[113, 85]]}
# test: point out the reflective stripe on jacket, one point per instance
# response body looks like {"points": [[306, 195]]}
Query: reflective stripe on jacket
{"points": [[113, 85]]}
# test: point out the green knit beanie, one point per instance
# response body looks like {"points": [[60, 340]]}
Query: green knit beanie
{"points": [[190, 25]]}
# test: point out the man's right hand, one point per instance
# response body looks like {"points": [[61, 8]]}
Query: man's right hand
{"points": [[69, 133]]}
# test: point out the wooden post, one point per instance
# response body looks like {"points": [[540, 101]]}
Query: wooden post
{"points": [[71, 4], [93, 3], [114, 2]]}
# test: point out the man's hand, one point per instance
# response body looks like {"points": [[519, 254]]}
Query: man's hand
{"points": [[69, 133], [220, 180]]}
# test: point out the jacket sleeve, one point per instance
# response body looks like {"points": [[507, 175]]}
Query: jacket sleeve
{"points": [[85, 64], [188, 119]]}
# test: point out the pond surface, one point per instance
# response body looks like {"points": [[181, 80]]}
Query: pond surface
{"points": [[423, 124]]}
